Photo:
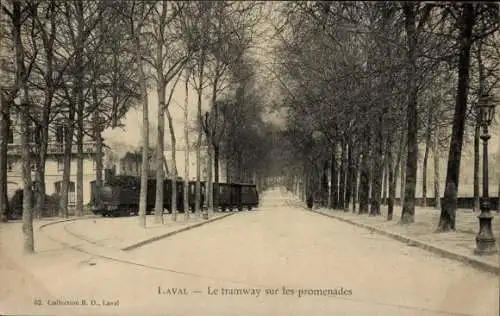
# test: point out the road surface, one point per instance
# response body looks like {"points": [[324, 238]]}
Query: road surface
{"points": [[278, 260]]}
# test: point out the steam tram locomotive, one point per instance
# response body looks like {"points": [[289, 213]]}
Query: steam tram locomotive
{"points": [[120, 195]]}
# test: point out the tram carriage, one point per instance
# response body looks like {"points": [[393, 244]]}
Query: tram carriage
{"points": [[120, 196]]}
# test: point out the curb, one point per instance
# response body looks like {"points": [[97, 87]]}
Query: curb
{"points": [[156, 238], [417, 243]]}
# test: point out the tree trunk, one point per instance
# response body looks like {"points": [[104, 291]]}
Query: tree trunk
{"points": [[99, 152], [213, 141], [239, 166], [186, 155], [43, 134], [498, 172], [67, 157], [80, 106], [4, 140], [378, 166], [145, 133], [174, 166], [216, 178], [342, 173], [402, 178], [392, 182], [42, 157], [334, 179], [448, 209], [385, 180], [350, 174], [42, 143], [364, 185], [29, 245], [397, 166], [435, 153], [228, 169], [200, 135], [324, 184], [165, 166], [426, 159], [408, 212], [39, 185], [79, 163], [208, 182], [355, 183], [160, 142], [74, 106]]}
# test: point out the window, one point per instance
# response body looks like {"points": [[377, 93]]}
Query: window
{"points": [[10, 166], [32, 130], [57, 186], [60, 133], [33, 166], [60, 163]]}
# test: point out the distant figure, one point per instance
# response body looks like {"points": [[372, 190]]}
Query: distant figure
{"points": [[310, 200]]}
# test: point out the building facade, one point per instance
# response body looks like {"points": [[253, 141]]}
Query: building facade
{"points": [[130, 163], [53, 164]]}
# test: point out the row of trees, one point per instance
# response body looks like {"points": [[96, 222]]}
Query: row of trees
{"points": [[365, 84], [66, 67], [85, 64]]}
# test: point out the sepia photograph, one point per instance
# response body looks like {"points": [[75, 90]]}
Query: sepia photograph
{"points": [[249, 158]]}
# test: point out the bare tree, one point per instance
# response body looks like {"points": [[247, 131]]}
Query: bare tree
{"points": [[168, 59], [498, 172], [51, 71], [18, 16], [186, 144], [202, 41], [230, 40], [412, 27], [173, 141], [136, 15], [4, 134], [466, 22], [435, 154], [74, 84]]}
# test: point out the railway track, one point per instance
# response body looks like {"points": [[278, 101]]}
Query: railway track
{"points": [[117, 256]]}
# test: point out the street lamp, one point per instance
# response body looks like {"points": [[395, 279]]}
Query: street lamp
{"points": [[485, 241]]}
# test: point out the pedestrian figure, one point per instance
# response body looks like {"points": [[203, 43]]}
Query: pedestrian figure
{"points": [[310, 200]]}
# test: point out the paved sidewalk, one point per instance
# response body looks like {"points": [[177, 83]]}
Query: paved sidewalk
{"points": [[458, 245]]}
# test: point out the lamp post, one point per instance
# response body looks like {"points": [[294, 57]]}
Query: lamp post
{"points": [[485, 241]]}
